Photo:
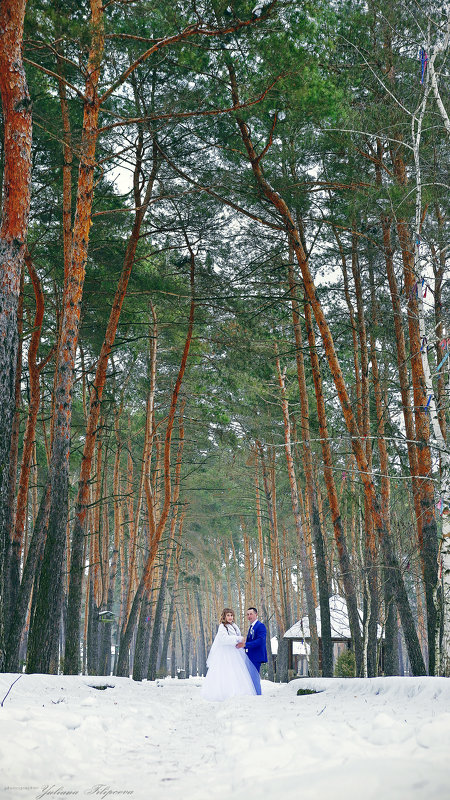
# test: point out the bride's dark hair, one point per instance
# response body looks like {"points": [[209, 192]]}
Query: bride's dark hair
{"points": [[223, 616]]}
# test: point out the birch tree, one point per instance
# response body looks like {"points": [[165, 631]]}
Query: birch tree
{"points": [[434, 48]]}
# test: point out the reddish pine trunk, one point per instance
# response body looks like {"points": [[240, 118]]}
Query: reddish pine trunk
{"points": [[372, 601], [67, 174], [402, 363], [390, 615], [354, 327], [428, 540], [46, 622], [17, 122], [34, 370]]}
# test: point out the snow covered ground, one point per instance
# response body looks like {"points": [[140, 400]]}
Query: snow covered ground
{"points": [[382, 738]]}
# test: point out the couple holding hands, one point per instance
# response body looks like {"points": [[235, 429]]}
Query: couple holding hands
{"points": [[233, 665]]}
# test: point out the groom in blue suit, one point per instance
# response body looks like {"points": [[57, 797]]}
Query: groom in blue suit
{"points": [[255, 645]]}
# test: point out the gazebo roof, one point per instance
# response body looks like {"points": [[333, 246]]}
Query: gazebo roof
{"points": [[340, 628]]}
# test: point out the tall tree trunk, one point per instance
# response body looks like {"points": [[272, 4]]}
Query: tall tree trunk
{"points": [[333, 500], [262, 569], [12, 564], [107, 601], [176, 615], [390, 628], [152, 669], [173, 613], [428, 540], [48, 606], [17, 126], [173, 652], [317, 533], [370, 542], [247, 566], [270, 500], [158, 616], [67, 169], [187, 653], [149, 417], [169, 634], [201, 637], [391, 639], [132, 532], [275, 548], [28, 446], [306, 573], [402, 364], [30, 574], [93, 629], [142, 638]]}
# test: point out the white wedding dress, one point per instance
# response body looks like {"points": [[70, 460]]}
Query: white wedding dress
{"points": [[228, 667]]}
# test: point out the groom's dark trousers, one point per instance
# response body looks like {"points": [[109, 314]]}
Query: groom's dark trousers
{"points": [[255, 647]]}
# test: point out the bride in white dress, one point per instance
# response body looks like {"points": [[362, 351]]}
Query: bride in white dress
{"points": [[228, 668]]}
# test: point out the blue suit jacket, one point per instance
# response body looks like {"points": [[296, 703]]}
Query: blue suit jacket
{"points": [[255, 645]]}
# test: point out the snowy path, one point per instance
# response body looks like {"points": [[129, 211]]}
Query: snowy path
{"points": [[381, 738]]}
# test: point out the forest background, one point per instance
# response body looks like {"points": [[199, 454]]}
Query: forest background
{"points": [[224, 354]]}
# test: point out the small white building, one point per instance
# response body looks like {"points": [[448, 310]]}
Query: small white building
{"points": [[300, 639]]}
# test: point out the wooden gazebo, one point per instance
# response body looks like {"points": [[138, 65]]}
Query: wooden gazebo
{"points": [[300, 640]]}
